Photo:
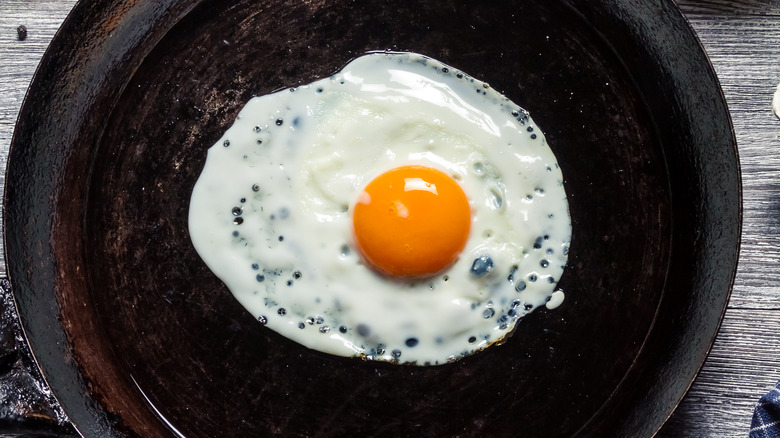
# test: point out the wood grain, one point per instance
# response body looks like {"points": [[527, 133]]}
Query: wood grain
{"points": [[742, 39], [26, 404], [743, 42], [19, 59]]}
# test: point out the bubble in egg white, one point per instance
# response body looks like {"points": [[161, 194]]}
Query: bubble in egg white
{"points": [[271, 212]]}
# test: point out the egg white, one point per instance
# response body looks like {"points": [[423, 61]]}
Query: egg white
{"points": [[271, 212]]}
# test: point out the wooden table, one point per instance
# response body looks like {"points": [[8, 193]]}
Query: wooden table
{"points": [[742, 39]]}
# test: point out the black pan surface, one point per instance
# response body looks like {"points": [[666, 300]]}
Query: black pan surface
{"points": [[136, 337]]}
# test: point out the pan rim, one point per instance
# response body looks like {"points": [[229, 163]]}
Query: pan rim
{"points": [[49, 58]]}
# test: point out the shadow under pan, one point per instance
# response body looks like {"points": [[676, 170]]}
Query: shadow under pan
{"points": [[165, 348]]}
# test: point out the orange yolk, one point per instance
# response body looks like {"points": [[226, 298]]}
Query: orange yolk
{"points": [[411, 221]]}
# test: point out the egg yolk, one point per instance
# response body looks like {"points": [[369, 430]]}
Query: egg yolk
{"points": [[411, 221]]}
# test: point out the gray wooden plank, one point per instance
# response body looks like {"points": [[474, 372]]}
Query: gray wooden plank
{"points": [[743, 41], [18, 61], [745, 51], [726, 8], [743, 365]]}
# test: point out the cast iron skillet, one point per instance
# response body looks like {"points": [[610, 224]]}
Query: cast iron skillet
{"points": [[137, 338]]}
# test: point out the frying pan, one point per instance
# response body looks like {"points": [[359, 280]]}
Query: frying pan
{"points": [[137, 338]]}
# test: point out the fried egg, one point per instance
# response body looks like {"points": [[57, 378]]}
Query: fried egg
{"points": [[399, 210]]}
